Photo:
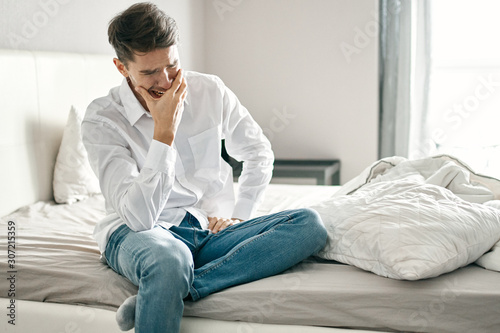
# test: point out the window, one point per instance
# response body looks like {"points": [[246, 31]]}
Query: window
{"points": [[464, 98]]}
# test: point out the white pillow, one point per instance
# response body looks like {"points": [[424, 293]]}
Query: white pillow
{"points": [[74, 179], [407, 230]]}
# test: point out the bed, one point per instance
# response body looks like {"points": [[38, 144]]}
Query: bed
{"points": [[53, 280]]}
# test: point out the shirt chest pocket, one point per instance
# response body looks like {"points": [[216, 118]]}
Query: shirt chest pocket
{"points": [[206, 149]]}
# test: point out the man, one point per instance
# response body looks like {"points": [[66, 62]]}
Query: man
{"points": [[173, 227]]}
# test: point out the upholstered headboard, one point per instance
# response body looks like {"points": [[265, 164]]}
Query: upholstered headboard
{"points": [[37, 90]]}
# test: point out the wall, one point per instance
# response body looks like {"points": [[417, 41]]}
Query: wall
{"points": [[306, 69], [81, 26]]}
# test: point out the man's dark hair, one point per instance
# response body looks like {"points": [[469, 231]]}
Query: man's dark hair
{"points": [[141, 28]]}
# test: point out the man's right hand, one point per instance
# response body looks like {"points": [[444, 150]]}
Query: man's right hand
{"points": [[167, 109]]}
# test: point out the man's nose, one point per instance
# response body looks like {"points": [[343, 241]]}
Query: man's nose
{"points": [[165, 80]]}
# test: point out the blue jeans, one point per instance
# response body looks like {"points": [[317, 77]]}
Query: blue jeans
{"points": [[170, 264]]}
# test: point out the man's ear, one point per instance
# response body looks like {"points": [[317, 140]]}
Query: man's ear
{"points": [[121, 67]]}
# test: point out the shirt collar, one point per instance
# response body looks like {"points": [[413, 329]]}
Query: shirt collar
{"points": [[133, 108]]}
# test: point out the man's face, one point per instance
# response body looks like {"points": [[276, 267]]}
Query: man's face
{"points": [[154, 71]]}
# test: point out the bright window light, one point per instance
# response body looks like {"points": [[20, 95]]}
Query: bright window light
{"points": [[464, 98]]}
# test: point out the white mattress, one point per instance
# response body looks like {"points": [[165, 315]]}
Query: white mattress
{"points": [[57, 261], [52, 317]]}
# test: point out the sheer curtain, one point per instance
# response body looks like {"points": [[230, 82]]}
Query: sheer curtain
{"points": [[404, 77]]}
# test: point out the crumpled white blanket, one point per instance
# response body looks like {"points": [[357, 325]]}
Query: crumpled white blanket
{"points": [[414, 219], [442, 170]]}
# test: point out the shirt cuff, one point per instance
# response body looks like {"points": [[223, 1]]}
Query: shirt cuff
{"points": [[243, 209], [161, 157]]}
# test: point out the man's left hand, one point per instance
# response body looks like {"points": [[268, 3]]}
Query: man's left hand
{"points": [[216, 224]]}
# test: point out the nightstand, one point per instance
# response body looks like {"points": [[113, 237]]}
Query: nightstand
{"points": [[325, 172]]}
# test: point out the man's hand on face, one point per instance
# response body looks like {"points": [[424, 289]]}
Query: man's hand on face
{"points": [[216, 224], [166, 109]]}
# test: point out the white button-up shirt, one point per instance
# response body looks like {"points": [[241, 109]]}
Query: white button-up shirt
{"points": [[146, 182]]}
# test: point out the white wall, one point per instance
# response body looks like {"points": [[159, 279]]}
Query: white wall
{"points": [[283, 58], [81, 25]]}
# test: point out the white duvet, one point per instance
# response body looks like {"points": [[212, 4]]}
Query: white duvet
{"points": [[415, 219]]}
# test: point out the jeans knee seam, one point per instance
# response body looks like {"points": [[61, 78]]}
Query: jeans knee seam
{"points": [[244, 246], [233, 253]]}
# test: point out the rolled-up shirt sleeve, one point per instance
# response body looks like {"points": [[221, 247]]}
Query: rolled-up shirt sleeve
{"points": [[138, 194], [245, 141]]}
